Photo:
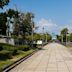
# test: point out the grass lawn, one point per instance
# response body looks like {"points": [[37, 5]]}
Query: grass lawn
{"points": [[4, 63]]}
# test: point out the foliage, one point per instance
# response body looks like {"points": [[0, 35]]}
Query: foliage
{"points": [[3, 20], [71, 37], [64, 31], [4, 54], [24, 47], [3, 3], [35, 37], [11, 13], [47, 36], [15, 52], [4, 63], [39, 37], [8, 51], [23, 26], [65, 35], [1, 48], [58, 37], [5, 44]]}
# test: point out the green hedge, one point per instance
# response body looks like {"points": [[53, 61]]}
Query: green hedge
{"points": [[9, 48], [24, 47], [15, 52], [1, 48], [4, 54], [7, 51], [5, 44]]}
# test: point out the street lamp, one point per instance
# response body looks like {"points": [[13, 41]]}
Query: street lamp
{"points": [[67, 38], [46, 37], [43, 37], [62, 38]]}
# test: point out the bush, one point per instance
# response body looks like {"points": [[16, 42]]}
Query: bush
{"points": [[4, 54], [24, 47], [8, 47], [35, 45], [5, 44], [15, 52], [1, 47]]}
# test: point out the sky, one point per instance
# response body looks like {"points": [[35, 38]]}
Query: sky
{"points": [[53, 15]]}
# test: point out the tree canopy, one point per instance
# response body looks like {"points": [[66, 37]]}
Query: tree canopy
{"points": [[64, 31], [65, 35], [3, 3], [3, 20]]}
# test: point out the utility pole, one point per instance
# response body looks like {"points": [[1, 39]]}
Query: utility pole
{"points": [[32, 32], [62, 38], [43, 36], [46, 37], [67, 40]]}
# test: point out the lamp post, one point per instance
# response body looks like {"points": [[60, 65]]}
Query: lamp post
{"points": [[62, 38], [67, 40], [46, 37], [43, 36]]}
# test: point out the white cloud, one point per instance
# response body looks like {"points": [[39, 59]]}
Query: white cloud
{"points": [[44, 22], [47, 24], [52, 27]]}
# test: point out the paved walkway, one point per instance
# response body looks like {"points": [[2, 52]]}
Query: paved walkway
{"points": [[53, 58]]}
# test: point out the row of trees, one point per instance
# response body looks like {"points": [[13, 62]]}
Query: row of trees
{"points": [[45, 37], [22, 24], [3, 17], [65, 36]]}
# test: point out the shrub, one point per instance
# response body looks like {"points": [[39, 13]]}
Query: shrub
{"points": [[4, 54], [24, 47], [5, 44], [35, 45], [1, 47], [15, 52], [9, 48]]}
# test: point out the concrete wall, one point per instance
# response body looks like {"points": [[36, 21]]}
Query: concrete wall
{"points": [[7, 40]]}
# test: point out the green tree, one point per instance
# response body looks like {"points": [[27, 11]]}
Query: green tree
{"points": [[11, 14], [46, 37], [3, 20], [58, 37], [24, 24], [71, 37], [3, 3], [64, 33]]}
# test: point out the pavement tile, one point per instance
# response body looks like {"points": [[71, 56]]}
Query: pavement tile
{"points": [[54, 58]]}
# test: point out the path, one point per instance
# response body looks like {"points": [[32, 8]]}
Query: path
{"points": [[53, 58]]}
